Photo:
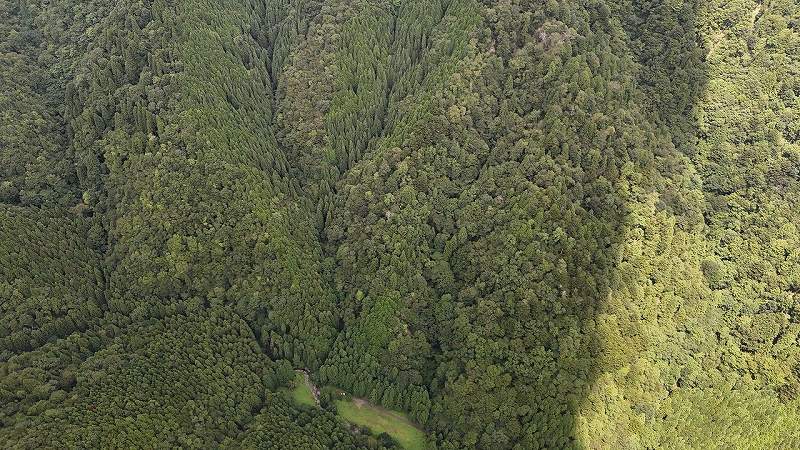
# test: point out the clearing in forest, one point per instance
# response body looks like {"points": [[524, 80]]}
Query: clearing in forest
{"points": [[364, 414], [302, 393], [380, 420]]}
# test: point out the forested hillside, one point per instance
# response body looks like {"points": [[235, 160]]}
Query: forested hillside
{"points": [[519, 224]]}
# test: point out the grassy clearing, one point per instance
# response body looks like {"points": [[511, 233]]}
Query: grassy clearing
{"points": [[380, 420], [302, 392]]}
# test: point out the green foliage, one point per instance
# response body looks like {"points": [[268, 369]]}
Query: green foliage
{"points": [[523, 224], [301, 392], [279, 426], [746, 152], [382, 422], [51, 281], [35, 167], [181, 381], [750, 420]]}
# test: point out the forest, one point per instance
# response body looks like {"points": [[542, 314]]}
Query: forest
{"points": [[400, 224]]}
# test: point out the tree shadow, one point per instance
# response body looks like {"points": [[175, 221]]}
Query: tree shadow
{"points": [[658, 195]]}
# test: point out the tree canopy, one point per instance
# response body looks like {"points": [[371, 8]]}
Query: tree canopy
{"points": [[521, 223]]}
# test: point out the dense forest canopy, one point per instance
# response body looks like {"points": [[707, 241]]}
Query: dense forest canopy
{"points": [[520, 223]]}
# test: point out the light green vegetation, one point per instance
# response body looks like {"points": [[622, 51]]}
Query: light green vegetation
{"points": [[380, 420], [364, 414], [301, 393]]}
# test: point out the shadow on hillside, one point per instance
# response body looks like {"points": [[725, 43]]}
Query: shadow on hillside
{"points": [[663, 39]]}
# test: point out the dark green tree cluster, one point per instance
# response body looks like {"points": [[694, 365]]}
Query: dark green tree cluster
{"points": [[35, 169], [544, 202], [281, 425], [164, 115], [523, 223], [51, 281], [184, 381], [493, 211], [178, 158]]}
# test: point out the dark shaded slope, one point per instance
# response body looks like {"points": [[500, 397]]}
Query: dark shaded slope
{"points": [[170, 120], [51, 281], [179, 158], [52, 275], [35, 167], [493, 213], [181, 381]]}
